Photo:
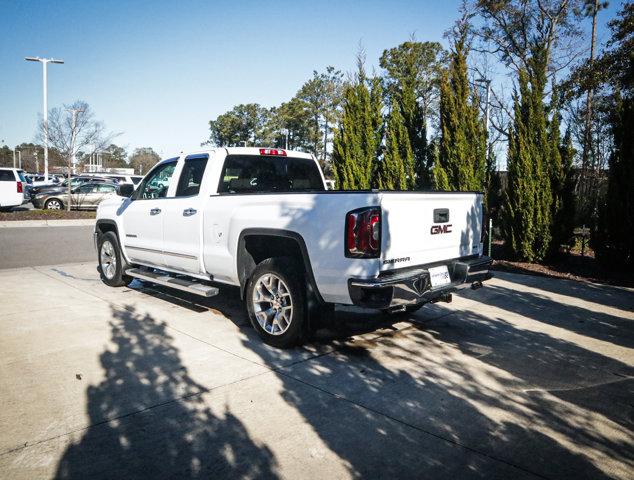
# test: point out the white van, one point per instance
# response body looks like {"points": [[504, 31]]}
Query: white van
{"points": [[13, 188]]}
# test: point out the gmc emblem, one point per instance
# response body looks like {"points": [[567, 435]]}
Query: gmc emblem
{"points": [[436, 229]]}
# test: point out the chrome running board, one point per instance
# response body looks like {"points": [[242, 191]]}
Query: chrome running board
{"points": [[179, 283]]}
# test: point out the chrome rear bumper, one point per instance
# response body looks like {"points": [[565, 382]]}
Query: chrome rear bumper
{"points": [[412, 286]]}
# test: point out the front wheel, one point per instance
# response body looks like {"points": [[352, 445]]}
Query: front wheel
{"points": [[53, 204], [111, 262], [276, 302]]}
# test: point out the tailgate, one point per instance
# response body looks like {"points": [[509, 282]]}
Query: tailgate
{"points": [[420, 228]]}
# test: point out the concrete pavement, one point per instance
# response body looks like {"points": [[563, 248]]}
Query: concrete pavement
{"points": [[526, 378], [42, 243]]}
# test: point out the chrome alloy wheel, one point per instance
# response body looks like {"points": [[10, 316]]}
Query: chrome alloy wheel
{"points": [[272, 304], [108, 260]]}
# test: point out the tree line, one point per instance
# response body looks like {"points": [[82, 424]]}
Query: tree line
{"points": [[557, 115]]}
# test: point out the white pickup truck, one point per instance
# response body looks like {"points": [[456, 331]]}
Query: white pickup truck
{"points": [[261, 219]]}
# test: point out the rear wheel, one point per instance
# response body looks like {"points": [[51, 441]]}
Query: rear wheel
{"points": [[111, 262], [53, 204], [276, 302]]}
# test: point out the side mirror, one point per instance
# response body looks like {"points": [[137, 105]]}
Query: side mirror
{"points": [[125, 189]]}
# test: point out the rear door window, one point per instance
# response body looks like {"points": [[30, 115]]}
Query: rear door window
{"points": [[191, 176], [252, 173]]}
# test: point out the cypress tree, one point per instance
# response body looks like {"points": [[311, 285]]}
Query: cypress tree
{"points": [[528, 199], [567, 211], [397, 157], [416, 168], [357, 140], [558, 181], [463, 152]]}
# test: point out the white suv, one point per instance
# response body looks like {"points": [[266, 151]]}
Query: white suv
{"points": [[13, 188]]}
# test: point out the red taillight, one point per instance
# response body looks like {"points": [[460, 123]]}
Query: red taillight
{"points": [[272, 151], [20, 187], [363, 233]]}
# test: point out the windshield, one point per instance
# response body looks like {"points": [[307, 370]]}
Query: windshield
{"points": [[253, 173]]}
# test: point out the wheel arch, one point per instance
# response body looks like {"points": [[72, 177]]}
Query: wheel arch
{"points": [[279, 243], [106, 225]]}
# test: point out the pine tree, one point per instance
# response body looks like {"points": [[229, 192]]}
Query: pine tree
{"points": [[463, 151], [392, 174], [357, 140]]}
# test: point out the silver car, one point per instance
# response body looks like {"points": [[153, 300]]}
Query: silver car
{"points": [[84, 197]]}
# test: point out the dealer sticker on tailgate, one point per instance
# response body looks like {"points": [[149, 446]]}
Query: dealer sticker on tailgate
{"points": [[439, 276]]}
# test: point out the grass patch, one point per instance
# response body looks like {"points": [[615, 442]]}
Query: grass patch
{"points": [[45, 215]]}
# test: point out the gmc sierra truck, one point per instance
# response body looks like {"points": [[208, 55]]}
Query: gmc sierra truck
{"points": [[262, 219]]}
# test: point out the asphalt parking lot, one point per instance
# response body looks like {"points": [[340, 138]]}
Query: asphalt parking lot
{"points": [[526, 378]]}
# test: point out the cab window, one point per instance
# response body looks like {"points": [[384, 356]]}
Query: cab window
{"points": [[191, 176], [157, 182], [251, 173]]}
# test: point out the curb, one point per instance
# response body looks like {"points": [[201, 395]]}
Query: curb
{"points": [[79, 222]]}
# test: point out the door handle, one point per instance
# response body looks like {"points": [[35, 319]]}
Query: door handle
{"points": [[188, 212], [155, 211]]}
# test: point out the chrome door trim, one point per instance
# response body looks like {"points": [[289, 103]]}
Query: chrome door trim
{"points": [[154, 250]]}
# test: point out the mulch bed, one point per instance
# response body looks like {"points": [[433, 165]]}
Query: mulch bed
{"points": [[571, 266], [44, 215]]}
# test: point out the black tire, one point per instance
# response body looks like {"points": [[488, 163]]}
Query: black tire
{"points": [[296, 329], [49, 204], [108, 247]]}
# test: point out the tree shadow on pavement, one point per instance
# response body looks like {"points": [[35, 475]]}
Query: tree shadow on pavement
{"points": [[415, 403], [148, 418], [575, 318]]}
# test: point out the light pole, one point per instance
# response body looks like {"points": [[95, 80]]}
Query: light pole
{"points": [[45, 62]]}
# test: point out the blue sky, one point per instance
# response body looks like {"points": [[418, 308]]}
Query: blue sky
{"points": [[159, 71]]}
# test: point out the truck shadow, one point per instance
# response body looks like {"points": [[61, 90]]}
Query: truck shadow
{"points": [[148, 418]]}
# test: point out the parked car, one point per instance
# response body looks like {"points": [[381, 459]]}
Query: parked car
{"points": [[261, 219], [63, 186], [86, 196], [13, 188], [119, 178]]}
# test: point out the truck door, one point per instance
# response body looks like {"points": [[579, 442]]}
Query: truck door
{"points": [[143, 216], [182, 218]]}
